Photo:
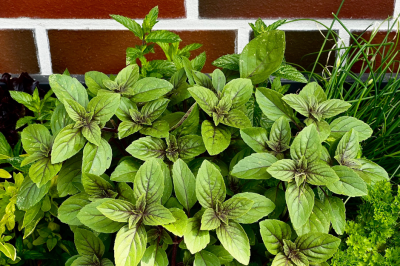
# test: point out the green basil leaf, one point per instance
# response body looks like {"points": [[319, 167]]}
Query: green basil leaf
{"points": [[83, 261], [318, 247], [262, 56], [68, 210], [168, 186], [96, 186], [284, 169], [235, 241], [123, 112], [238, 91], [91, 217], [261, 207], [348, 147], [33, 137], [29, 194], [156, 214], [202, 79], [147, 148], [68, 142], [319, 220], [205, 258], [289, 72], [184, 184], [104, 107], [300, 203], [127, 128], [322, 127], [75, 111], [94, 81], [320, 174], [32, 225], [313, 89], [199, 61], [205, 98], [337, 212], [8, 250], [223, 255], [149, 89], [333, 107], [159, 129], [344, 124], [69, 178], [256, 138], [371, 172], [195, 239], [229, 61], [117, 210], [190, 146], [87, 243], [218, 80], [126, 170], [307, 144], [31, 213], [149, 181], [23, 121], [126, 79], [130, 245], [154, 256], [282, 260], [59, 119], [5, 148], [280, 135], [65, 87], [216, 138], [163, 36], [210, 186], [25, 99], [96, 159], [210, 220], [298, 103], [236, 207], [273, 232], [43, 170], [154, 109], [272, 105], [236, 118], [254, 166], [350, 184], [92, 133], [125, 192], [178, 227], [130, 24]]}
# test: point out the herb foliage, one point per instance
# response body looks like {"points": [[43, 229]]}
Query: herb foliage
{"points": [[167, 165]]}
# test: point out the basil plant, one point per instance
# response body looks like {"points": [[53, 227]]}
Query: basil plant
{"points": [[162, 164]]}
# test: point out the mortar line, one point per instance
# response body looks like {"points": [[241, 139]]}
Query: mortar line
{"points": [[192, 9], [43, 50]]}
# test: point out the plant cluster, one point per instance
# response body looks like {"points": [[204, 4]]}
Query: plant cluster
{"points": [[162, 164], [374, 237]]}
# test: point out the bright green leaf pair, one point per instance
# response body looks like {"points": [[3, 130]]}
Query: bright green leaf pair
{"points": [[223, 215], [311, 248], [145, 121]]}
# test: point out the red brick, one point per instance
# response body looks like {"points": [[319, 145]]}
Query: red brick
{"points": [[18, 52], [378, 39], [101, 50], [89, 8], [355, 9]]}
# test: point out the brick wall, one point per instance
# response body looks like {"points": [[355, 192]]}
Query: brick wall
{"points": [[42, 36]]}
